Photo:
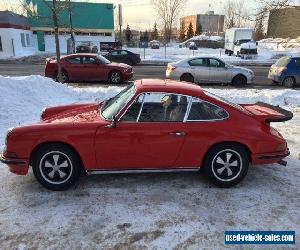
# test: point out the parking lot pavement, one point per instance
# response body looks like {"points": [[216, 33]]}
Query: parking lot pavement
{"points": [[141, 71]]}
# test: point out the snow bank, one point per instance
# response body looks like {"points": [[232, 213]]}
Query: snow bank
{"points": [[23, 98], [279, 43]]}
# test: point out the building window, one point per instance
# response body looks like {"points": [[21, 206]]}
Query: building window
{"points": [[1, 44], [23, 40], [107, 34], [28, 40]]}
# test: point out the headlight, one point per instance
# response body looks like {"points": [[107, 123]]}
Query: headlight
{"points": [[9, 131]]}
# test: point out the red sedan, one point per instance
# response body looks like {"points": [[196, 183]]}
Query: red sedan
{"points": [[88, 67], [152, 125]]}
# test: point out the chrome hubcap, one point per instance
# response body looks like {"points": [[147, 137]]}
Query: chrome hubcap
{"points": [[115, 77], [56, 167], [227, 165], [288, 82]]}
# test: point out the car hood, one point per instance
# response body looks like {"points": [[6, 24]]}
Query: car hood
{"points": [[88, 112], [120, 65]]}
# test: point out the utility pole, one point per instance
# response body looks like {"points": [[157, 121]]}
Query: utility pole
{"points": [[56, 31], [120, 23], [71, 29]]}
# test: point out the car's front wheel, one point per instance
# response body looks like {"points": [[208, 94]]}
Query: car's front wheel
{"points": [[56, 166], [289, 82], [226, 164], [64, 77], [115, 77], [239, 81]]}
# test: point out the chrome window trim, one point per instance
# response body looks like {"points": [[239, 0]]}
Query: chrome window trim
{"points": [[211, 120], [144, 93]]}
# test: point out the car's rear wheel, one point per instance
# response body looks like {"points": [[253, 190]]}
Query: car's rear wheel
{"points": [[115, 77], [56, 166], [187, 78], [289, 82], [226, 164], [239, 81], [64, 77]]}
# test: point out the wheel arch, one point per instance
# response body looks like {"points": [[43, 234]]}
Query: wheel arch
{"points": [[246, 147], [185, 74], [42, 144], [239, 74]]}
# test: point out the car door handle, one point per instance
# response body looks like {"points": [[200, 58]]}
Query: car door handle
{"points": [[178, 133]]}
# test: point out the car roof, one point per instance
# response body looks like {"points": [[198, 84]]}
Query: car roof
{"points": [[80, 54], [170, 86]]}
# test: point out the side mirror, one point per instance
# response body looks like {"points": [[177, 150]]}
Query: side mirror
{"points": [[113, 123]]}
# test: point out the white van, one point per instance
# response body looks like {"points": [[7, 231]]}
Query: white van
{"points": [[239, 42]]}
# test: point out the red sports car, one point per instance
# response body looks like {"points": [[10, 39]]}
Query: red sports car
{"points": [[152, 125], [88, 67]]}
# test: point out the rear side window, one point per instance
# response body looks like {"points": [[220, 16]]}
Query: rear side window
{"points": [[89, 60], [123, 52], [282, 62], [74, 60], [297, 61], [205, 111], [216, 63], [198, 62]]}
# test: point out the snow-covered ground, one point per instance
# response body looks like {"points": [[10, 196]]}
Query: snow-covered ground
{"points": [[156, 211]]}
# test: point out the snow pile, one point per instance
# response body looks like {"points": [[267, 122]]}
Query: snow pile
{"points": [[205, 37], [23, 98], [279, 43]]}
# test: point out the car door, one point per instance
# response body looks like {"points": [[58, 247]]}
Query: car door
{"points": [[218, 71], [199, 69], [297, 73], [149, 135], [74, 68], [115, 56], [93, 69]]}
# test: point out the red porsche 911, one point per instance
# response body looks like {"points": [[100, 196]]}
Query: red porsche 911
{"points": [[88, 67], [152, 125]]}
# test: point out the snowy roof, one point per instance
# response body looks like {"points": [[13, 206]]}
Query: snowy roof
{"points": [[8, 17]]}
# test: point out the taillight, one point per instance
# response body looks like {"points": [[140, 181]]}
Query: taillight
{"points": [[281, 70], [171, 68]]}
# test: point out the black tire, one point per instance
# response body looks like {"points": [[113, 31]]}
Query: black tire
{"points": [[65, 77], [115, 77], [289, 82], [187, 78], [239, 81], [56, 166], [224, 161]]}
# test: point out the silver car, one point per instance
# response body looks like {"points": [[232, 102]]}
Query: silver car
{"points": [[209, 70]]}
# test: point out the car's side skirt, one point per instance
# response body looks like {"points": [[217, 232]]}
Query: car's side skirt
{"points": [[129, 171]]}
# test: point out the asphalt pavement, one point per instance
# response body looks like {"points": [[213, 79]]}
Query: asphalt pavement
{"points": [[141, 71]]}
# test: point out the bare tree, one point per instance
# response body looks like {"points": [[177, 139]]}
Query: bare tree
{"points": [[236, 14], [168, 11], [55, 7]]}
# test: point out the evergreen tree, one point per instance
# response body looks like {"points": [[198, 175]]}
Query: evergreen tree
{"points": [[128, 33], [198, 30], [190, 32], [154, 32], [146, 36]]}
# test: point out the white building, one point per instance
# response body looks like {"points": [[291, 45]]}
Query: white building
{"points": [[16, 37]]}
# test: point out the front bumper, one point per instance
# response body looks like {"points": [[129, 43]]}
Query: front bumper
{"points": [[16, 165], [275, 78]]}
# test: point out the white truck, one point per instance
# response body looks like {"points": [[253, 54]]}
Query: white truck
{"points": [[239, 42]]}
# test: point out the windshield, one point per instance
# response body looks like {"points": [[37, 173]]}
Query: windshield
{"points": [[283, 61], [221, 99], [103, 60], [114, 105], [243, 41]]}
